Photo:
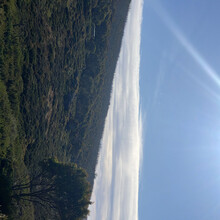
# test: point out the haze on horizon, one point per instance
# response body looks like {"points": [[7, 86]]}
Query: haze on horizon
{"points": [[115, 191]]}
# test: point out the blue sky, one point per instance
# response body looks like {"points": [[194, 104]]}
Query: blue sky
{"points": [[180, 100], [160, 150]]}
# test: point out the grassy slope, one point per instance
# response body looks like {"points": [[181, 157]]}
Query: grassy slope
{"points": [[55, 81], [12, 136]]}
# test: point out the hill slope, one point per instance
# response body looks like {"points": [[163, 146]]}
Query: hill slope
{"points": [[57, 62]]}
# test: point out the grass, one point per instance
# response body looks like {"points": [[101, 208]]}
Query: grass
{"points": [[55, 83]]}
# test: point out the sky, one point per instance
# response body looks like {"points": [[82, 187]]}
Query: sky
{"points": [[160, 151], [115, 191], [180, 91]]}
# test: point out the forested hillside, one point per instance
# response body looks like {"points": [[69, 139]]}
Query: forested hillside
{"points": [[57, 60]]}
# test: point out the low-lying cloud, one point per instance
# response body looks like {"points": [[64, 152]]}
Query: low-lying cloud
{"points": [[115, 192]]}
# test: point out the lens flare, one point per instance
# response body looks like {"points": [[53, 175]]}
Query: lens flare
{"points": [[204, 65]]}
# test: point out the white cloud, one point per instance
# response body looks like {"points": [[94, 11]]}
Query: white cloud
{"points": [[115, 192]]}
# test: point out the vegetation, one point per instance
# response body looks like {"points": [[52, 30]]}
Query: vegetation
{"points": [[60, 188], [5, 186], [57, 60]]}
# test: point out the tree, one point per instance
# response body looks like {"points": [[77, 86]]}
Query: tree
{"points": [[90, 46], [62, 188], [5, 187]]}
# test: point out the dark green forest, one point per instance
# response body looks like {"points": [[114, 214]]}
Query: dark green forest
{"points": [[57, 62]]}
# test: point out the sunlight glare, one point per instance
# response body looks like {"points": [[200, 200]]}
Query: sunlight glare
{"points": [[210, 72]]}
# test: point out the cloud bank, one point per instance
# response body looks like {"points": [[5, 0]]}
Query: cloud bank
{"points": [[115, 191]]}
